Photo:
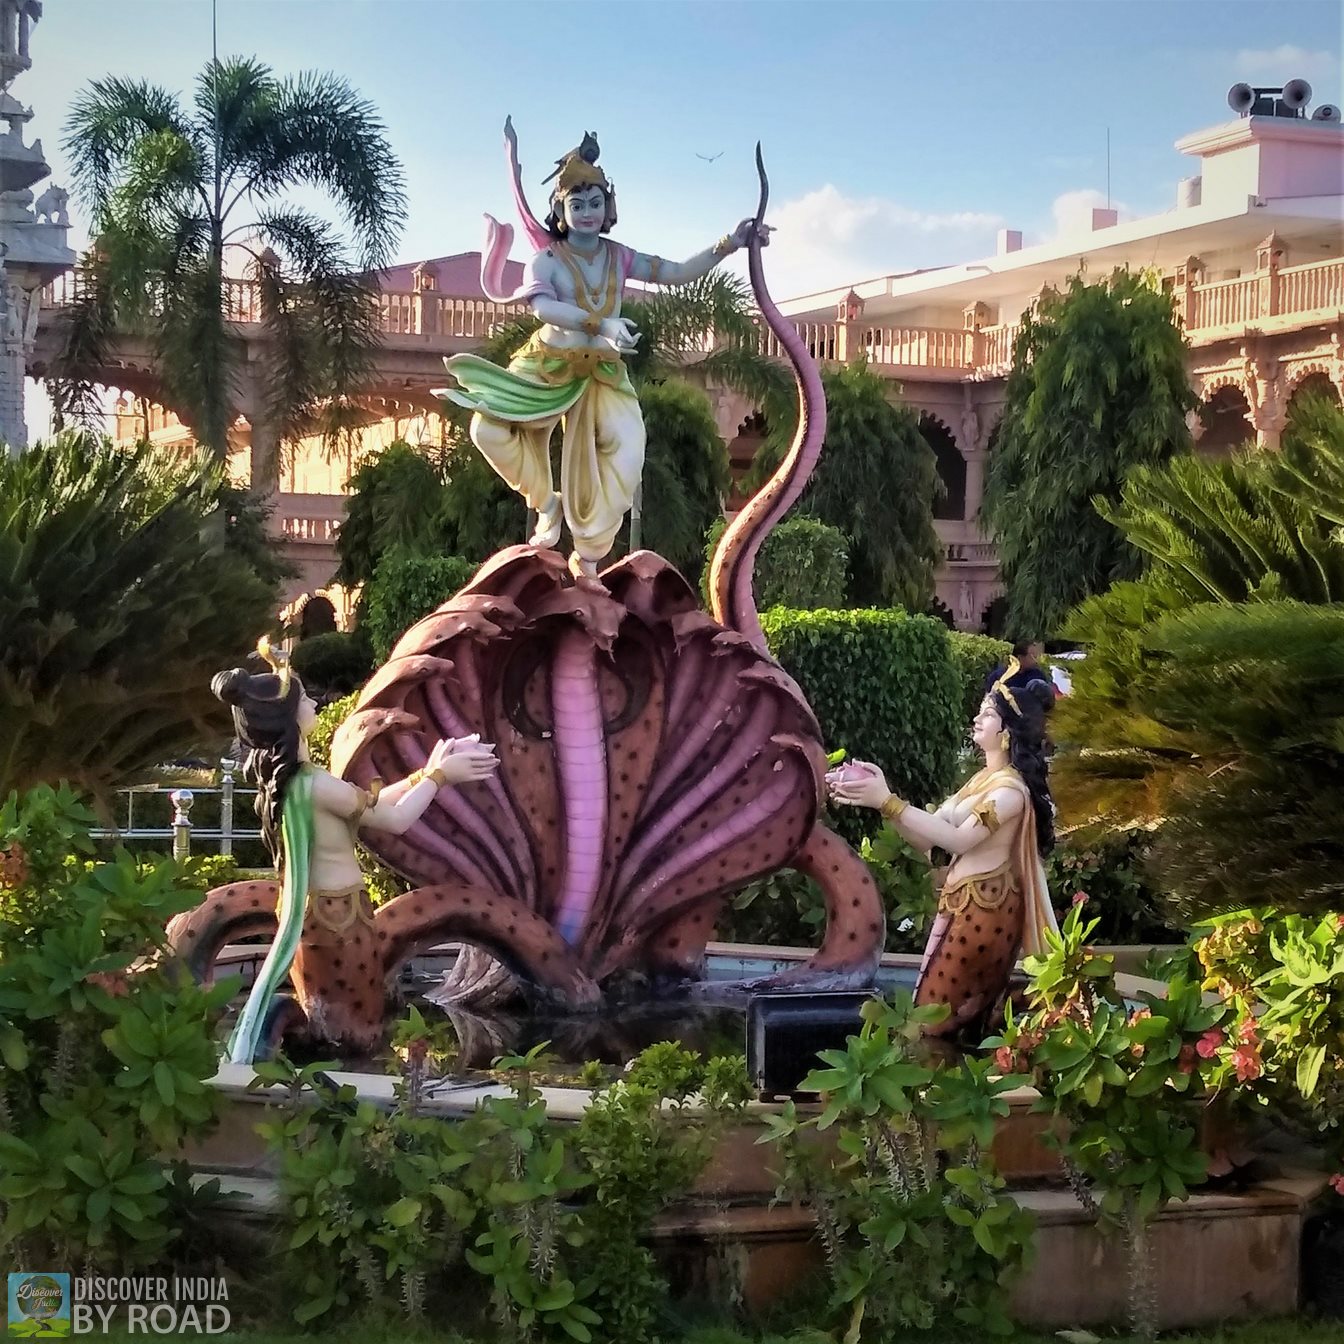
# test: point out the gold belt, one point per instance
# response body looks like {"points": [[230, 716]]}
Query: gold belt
{"points": [[338, 910], [988, 891], [583, 361]]}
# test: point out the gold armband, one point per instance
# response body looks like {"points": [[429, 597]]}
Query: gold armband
{"points": [[893, 807], [437, 775], [592, 326], [724, 246], [987, 814]]}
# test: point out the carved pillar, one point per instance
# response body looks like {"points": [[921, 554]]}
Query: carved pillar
{"points": [[1183, 294], [1269, 258], [974, 318], [975, 483], [849, 328], [1267, 396]]}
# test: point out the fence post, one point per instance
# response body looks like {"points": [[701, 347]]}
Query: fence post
{"points": [[181, 800], [227, 766]]}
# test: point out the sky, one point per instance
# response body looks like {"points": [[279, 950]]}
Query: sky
{"points": [[897, 133]]}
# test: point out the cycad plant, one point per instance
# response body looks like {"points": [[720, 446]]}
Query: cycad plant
{"points": [[121, 593], [1210, 706], [169, 188]]}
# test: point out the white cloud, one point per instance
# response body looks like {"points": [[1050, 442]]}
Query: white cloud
{"points": [[1277, 65], [1072, 211], [827, 239]]}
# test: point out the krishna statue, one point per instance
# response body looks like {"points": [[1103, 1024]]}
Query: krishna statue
{"points": [[571, 370]]}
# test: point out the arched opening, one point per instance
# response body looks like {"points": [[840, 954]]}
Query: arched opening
{"points": [[317, 616], [940, 611], [751, 434], [1313, 385], [994, 618], [951, 467], [1226, 418]]}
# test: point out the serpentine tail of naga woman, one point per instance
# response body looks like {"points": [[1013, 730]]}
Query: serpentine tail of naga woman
{"points": [[732, 569]]}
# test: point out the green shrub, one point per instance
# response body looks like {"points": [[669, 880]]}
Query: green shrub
{"points": [[802, 564], [339, 661], [104, 1072], [975, 657], [406, 586], [884, 688]]}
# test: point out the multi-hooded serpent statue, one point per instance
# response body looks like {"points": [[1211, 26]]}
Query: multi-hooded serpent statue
{"points": [[652, 758]]}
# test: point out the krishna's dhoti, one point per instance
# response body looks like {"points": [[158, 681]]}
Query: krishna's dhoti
{"points": [[602, 451]]}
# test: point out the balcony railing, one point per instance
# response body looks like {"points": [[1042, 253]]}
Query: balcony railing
{"points": [[1208, 312]]}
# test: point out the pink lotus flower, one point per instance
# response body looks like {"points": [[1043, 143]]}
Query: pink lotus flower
{"points": [[1210, 1043]]}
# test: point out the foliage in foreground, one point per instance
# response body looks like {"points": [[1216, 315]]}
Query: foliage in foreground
{"points": [[104, 1073], [915, 1222]]}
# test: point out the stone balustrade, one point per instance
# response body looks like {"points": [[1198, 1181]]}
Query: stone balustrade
{"points": [[1209, 312]]}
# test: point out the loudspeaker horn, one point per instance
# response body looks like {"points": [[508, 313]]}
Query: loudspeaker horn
{"points": [[1296, 94], [1241, 98], [1326, 112]]}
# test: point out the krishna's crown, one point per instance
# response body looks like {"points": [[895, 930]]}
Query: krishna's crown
{"points": [[576, 172]]}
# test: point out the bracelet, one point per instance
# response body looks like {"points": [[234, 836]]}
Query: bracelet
{"points": [[724, 246], [592, 326], [893, 807], [436, 775]]}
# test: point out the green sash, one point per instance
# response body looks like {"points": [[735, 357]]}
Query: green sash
{"points": [[296, 830]]}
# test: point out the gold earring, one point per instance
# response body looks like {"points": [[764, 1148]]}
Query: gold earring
{"points": [[1005, 742]]}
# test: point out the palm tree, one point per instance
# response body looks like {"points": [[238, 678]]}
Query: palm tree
{"points": [[170, 187]]}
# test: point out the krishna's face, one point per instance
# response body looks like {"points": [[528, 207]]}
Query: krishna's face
{"points": [[585, 211]]}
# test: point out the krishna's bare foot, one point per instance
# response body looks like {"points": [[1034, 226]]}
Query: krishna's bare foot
{"points": [[581, 568], [547, 531]]}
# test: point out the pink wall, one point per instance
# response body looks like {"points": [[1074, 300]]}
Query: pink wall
{"points": [[458, 275]]}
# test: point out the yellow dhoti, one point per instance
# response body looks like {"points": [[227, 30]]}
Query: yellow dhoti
{"points": [[602, 449]]}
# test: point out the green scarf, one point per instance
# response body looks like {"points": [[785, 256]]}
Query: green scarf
{"points": [[296, 831]]}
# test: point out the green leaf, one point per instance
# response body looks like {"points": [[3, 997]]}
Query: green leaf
{"points": [[1309, 1064], [405, 1210]]}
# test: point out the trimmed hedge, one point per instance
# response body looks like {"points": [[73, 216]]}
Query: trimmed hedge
{"points": [[336, 662], [975, 657], [883, 685], [405, 586], [803, 564]]}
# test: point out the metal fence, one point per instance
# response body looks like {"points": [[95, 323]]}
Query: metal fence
{"points": [[180, 829]]}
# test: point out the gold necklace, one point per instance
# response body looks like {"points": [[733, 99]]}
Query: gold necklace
{"points": [[590, 296]]}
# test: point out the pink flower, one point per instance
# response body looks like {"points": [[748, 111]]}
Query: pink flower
{"points": [[1246, 1061], [1248, 1033], [1209, 1044], [1188, 1060], [1005, 1059], [1337, 1183], [1080, 898]]}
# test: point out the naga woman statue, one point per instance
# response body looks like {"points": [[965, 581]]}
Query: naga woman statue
{"points": [[309, 820], [571, 369], [998, 826]]}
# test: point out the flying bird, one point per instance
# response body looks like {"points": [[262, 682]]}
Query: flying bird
{"points": [[709, 158], [587, 151]]}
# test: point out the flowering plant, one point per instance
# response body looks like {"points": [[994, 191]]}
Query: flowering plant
{"points": [[1281, 978]]}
